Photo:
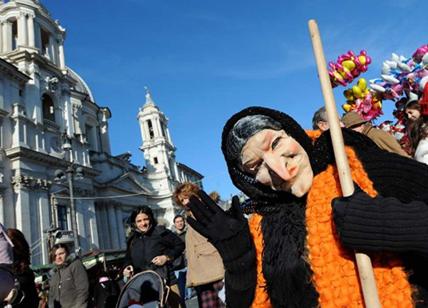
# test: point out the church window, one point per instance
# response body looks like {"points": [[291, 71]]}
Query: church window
{"points": [[155, 159], [14, 34], [48, 108], [45, 42], [163, 130], [62, 217], [151, 131], [90, 137]]}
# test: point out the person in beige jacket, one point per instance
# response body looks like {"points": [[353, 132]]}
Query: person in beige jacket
{"points": [[205, 270], [383, 140]]}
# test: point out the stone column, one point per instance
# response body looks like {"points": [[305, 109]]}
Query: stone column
{"points": [[7, 36], [43, 209], [169, 135], [31, 31], [25, 133], [55, 52], [93, 225], [106, 231], [15, 136], [40, 140], [22, 209], [156, 127], [37, 141], [18, 137], [143, 129], [177, 174], [80, 220], [113, 226], [97, 208], [66, 123], [54, 210], [120, 229], [22, 30], [61, 54], [105, 141], [51, 49], [166, 160]]}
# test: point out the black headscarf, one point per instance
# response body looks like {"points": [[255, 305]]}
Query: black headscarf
{"points": [[234, 137], [288, 276]]}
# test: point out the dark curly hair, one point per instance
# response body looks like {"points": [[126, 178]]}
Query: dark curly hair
{"points": [[21, 250], [143, 210]]}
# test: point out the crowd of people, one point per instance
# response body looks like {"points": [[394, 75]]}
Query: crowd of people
{"points": [[290, 244], [197, 271]]}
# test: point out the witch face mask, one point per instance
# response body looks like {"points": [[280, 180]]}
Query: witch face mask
{"points": [[277, 160]]}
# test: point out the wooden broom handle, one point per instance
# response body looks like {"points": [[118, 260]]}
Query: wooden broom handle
{"points": [[364, 265]]}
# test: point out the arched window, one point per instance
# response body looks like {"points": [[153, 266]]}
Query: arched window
{"points": [[48, 108], [151, 131], [45, 40], [14, 34], [163, 130]]}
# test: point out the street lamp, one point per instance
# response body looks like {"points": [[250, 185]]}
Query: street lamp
{"points": [[71, 173]]}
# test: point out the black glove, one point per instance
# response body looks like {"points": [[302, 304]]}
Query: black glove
{"points": [[230, 234], [227, 231], [375, 224]]}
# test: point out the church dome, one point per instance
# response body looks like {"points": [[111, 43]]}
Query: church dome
{"points": [[81, 86]]}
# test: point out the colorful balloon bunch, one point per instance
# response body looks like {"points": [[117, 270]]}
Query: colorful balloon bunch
{"points": [[403, 79], [347, 67], [401, 75], [361, 99]]}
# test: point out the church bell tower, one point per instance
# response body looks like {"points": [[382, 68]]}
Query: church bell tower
{"points": [[159, 151]]}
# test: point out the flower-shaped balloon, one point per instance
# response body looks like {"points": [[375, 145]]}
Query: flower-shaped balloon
{"points": [[401, 75], [347, 67], [361, 99]]}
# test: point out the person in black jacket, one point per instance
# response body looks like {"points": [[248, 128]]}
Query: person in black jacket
{"points": [[22, 270], [297, 250], [153, 247]]}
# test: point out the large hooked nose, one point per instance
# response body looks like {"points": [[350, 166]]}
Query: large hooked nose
{"points": [[277, 164]]}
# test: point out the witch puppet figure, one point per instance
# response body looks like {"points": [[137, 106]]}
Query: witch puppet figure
{"points": [[297, 247]]}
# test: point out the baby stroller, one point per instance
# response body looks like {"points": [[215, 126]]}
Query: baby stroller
{"points": [[146, 289]]}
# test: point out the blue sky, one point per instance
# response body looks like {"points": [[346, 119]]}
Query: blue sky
{"points": [[206, 60]]}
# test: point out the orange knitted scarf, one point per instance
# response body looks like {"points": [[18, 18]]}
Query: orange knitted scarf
{"points": [[334, 273]]}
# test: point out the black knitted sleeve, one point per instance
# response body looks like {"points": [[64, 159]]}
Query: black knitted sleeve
{"points": [[240, 280], [387, 224]]}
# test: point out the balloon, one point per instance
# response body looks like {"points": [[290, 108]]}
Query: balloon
{"points": [[420, 53], [347, 67], [361, 99], [390, 78], [401, 75], [377, 88]]}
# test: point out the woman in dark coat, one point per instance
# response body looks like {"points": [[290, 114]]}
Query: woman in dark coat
{"points": [[22, 270], [153, 247]]}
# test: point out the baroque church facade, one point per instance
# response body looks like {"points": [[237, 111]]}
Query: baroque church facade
{"points": [[54, 145]]}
